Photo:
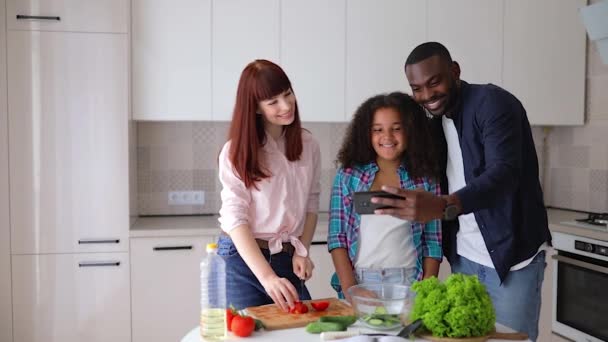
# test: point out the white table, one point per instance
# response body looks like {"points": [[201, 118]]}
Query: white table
{"points": [[300, 335]]}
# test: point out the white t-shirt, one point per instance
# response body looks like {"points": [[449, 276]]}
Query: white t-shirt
{"points": [[469, 241], [385, 242]]}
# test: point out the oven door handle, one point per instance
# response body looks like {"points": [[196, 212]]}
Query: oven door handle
{"points": [[586, 265]]}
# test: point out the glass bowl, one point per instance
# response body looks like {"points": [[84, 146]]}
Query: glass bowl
{"points": [[381, 306]]}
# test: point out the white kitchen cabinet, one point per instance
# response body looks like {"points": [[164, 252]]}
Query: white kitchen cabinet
{"points": [[313, 48], [472, 32], [6, 317], [243, 30], [319, 284], [171, 52], [379, 37], [68, 118], [69, 15], [544, 59], [71, 297], [165, 278]]}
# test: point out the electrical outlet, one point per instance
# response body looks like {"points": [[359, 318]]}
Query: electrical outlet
{"points": [[186, 197]]}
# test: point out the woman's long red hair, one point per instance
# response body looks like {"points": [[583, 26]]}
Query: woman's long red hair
{"points": [[260, 80]]}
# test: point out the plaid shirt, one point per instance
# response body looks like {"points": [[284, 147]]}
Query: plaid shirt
{"points": [[344, 222]]}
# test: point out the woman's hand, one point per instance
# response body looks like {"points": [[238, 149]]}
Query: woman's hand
{"points": [[282, 292], [302, 267]]}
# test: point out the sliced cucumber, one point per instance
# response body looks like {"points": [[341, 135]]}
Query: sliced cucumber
{"points": [[375, 321], [380, 310]]}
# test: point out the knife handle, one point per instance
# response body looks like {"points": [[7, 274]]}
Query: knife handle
{"points": [[337, 335]]}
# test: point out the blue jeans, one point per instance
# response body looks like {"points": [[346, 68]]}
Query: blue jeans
{"points": [[516, 301], [243, 289]]}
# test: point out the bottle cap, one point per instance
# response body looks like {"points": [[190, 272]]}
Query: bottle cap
{"points": [[211, 246]]}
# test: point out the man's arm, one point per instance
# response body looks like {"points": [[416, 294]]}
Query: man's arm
{"points": [[501, 128]]}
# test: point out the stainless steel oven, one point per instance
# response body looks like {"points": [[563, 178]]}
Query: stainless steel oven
{"points": [[580, 288]]}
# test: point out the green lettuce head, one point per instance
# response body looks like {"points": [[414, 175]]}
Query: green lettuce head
{"points": [[459, 307]]}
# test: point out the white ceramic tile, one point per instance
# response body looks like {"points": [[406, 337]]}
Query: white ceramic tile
{"points": [[599, 157], [597, 100], [574, 156], [159, 155], [595, 66], [180, 157], [580, 201]]}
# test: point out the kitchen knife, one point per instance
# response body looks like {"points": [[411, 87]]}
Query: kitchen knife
{"points": [[410, 329], [406, 332]]}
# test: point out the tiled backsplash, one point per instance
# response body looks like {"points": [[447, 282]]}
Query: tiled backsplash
{"points": [[176, 156], [577, 175], [180, 156]]}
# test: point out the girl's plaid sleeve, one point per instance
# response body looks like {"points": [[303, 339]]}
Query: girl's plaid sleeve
{"points": [[336, 237], [432, 230]]}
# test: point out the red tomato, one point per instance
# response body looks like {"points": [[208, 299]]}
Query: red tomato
{"points": [[299, 308], [242, 326], [230, 313], [320, 306]]}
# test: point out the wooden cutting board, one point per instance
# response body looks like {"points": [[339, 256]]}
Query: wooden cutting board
{"points": [[495, 335], [275, 319]]}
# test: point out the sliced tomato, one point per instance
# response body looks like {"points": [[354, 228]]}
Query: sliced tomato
{"points": [[298, 308], [320, 306]]}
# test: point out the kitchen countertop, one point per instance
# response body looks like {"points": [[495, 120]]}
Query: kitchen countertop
{"points": [[197, 225], [165, 226], [300, 335], [556, 217]]}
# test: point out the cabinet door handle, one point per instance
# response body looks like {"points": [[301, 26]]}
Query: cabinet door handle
{"points": [[171, 248], [94, 241], [37, 17], [315, 243], [98, 263]]}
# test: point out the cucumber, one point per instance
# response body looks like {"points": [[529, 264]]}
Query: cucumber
{"points": [[376, 321], [319, 327], [344, 320], [380, 310]]}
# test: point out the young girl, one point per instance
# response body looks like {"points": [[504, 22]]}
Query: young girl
{"points": [[387, 143], [269, 170]]}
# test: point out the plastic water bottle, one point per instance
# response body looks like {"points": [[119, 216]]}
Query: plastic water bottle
{"points": [[213, 295]]}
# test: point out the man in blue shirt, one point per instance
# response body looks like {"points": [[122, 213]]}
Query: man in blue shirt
{"points": [[495, 219]]}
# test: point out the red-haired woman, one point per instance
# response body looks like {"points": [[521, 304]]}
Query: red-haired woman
{"points": [[269, 170]]}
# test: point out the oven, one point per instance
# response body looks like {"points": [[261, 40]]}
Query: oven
{"points": [[580, 288]]}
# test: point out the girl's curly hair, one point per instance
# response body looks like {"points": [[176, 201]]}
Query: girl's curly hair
{"points": [[419, 157]]}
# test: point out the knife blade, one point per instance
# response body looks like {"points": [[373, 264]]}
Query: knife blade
{"points": [[409, 329], [301, 289]]}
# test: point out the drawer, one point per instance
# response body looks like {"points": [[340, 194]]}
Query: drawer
{"points": [[68, 15], [71, 297]]}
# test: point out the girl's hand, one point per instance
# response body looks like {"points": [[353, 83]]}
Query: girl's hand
{"points": [[282, 292], [302, 267]]}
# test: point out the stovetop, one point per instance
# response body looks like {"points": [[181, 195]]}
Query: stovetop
{"points": [[595, 221]]}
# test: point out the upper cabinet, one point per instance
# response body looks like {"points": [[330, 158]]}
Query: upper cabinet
{"points": [[313, 58], [544, 59], [472, 31], [188, 56], [379, 37], [243, 30], [171, 68], [68, 15]]}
